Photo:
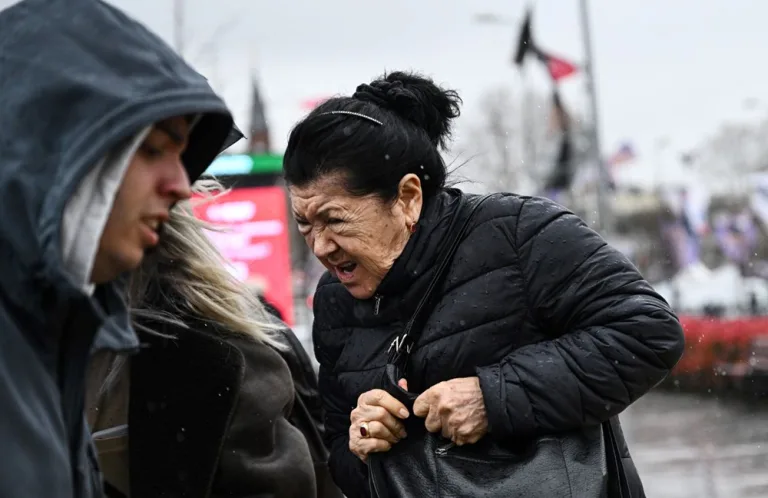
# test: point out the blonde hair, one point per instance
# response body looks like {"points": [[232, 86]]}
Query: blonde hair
{"points": [[187, 277]]}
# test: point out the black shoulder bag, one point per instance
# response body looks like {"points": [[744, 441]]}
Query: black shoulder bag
{"points": [[580, 464]]}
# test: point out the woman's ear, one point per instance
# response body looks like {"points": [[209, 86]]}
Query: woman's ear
{"points": [[409, 196]]}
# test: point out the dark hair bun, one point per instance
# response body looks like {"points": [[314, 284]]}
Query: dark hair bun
{"points": [[417, 99]]}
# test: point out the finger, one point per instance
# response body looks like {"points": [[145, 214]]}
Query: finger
{"points": [[376, 413], [462, 440], [356, 437], [370, 397], [447, 429], [403, 384], [433, 423], [377, 430], [356, 415], [361, 447], [372, 445], [378, 397], [447, 432], [459, 437], [423, 402]]}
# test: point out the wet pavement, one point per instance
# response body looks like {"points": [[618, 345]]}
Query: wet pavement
{"points": [[698, 446]]}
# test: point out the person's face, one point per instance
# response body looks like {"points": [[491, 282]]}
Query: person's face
{"points": [[356, 238], [154, 181]]}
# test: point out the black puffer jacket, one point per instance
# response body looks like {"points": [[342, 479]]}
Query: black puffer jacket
{"points": [[561, 329]]}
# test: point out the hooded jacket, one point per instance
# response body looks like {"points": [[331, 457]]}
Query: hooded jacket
{"points": [[559, 327], [81, 85]]}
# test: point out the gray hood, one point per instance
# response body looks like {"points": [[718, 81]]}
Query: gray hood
{"points": [[81, 83]]}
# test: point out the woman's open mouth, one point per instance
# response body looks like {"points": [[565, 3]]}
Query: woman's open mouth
{"points": [[346, 271]]}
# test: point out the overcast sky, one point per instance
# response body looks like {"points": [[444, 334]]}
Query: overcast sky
{"points": [[664, 68]]}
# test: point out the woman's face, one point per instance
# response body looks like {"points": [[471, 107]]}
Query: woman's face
{"points": [[356, 238]]}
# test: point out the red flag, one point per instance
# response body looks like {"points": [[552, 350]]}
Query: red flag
{"points": [[558, 68]]}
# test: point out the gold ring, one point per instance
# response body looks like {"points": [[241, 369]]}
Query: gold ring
{"points": [[364, 432]]}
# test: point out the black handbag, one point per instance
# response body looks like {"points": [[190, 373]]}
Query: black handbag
{"points": [[580, 464]]}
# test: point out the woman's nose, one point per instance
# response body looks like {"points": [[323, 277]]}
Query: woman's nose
{"points": [[322, 246]]}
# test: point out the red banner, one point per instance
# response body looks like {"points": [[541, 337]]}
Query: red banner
{"points": [[254, 239], [713, 343]]}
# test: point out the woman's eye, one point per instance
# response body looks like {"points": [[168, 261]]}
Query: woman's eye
{"points": [[335, 221], [151, 151]]}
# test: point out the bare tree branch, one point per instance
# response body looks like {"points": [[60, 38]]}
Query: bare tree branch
{"points": [[513, 141]]}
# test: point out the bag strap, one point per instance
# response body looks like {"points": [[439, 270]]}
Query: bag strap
{"points": [[401, 347], [615, 464]]}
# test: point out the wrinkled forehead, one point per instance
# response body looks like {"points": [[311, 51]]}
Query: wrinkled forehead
{"points": [[324, 194], [309, 203]]}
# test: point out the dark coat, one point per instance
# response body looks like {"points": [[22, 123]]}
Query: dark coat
{"points": [[560, 328], [214, 415], [78, 78]]}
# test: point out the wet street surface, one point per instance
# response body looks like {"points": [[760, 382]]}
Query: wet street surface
{"points": [[698, 446]]}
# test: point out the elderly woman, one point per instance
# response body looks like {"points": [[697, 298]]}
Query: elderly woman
{"points": [[540, 327]]}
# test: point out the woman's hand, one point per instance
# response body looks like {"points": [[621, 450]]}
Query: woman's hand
{"points": [[376, 423], [455, 408]]}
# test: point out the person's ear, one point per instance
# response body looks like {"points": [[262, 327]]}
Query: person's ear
{"points": [[410, 199]]}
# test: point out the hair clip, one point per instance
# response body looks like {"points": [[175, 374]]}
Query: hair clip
{"points": [[357, 114]]}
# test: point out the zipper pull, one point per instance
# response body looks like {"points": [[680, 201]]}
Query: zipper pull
{"points": [[443, 450], [376, 304]]}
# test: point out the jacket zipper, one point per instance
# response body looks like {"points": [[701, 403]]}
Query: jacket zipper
{"points": [[443, 450], [376, 304]]}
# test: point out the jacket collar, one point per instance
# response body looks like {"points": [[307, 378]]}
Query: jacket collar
{"points": [[423, 248]]}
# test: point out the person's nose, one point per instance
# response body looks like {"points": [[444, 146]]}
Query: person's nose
{"points": [[322, 245], [176, 184]]}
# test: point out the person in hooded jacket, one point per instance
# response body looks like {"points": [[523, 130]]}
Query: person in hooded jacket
{"points": [[104, 126], [211, 406], [539, 327]]}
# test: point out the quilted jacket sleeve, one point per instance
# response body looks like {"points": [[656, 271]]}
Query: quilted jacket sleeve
{"points": [[348, 472], [613, 337]]}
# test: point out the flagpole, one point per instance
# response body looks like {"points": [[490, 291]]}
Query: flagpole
{"points": [[603, 214], [528, 132]]}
